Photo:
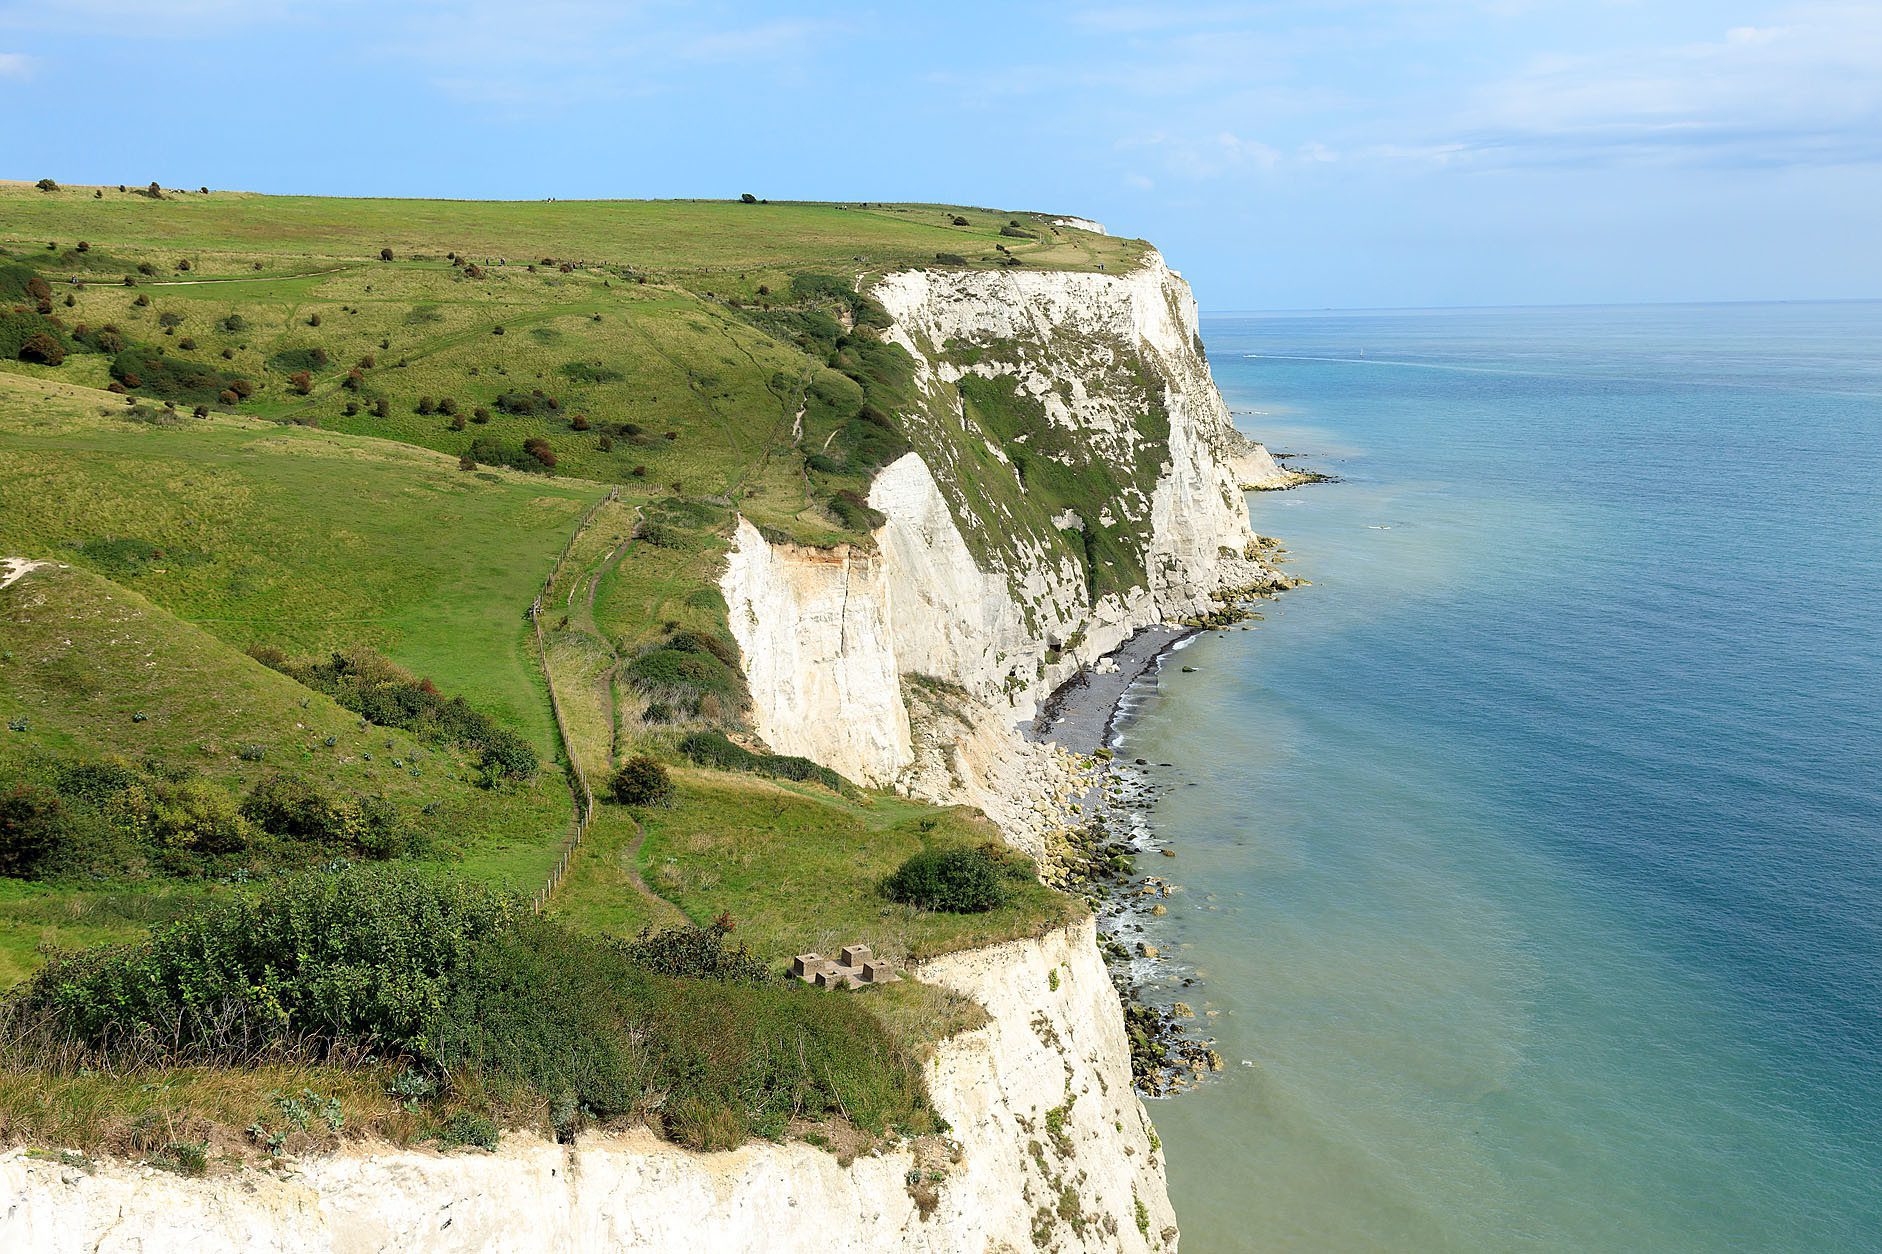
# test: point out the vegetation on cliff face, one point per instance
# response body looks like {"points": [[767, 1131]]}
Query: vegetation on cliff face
{"points": [[297, 499]]}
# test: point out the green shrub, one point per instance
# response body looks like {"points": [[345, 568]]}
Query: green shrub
{"points": [[42, 348], [23, 331], [714, 749], [174, 378], [293, 360], [696, 953], [382, 693], [584, 372], [468, 1129], [961, 880], [471, 985], [641, 781], [32, 825]]}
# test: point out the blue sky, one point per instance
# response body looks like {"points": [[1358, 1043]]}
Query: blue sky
{"points": [[1285, 155]]}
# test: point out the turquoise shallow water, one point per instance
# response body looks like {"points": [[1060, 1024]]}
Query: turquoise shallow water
{"points": [[1534, 854]]}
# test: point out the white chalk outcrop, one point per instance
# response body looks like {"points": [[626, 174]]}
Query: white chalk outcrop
{"points": [[969, 593], [1258, 471], [1039, 1101]]}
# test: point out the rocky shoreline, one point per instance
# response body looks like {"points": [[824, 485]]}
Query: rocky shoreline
{"points": [[1169, 1051]]}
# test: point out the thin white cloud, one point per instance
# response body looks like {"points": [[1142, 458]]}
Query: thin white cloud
{"points": [[15, 65], [1806, 89]]}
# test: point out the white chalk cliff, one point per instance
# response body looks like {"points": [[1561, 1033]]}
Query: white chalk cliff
{"points": [[1049, 1148], [966, 590]]}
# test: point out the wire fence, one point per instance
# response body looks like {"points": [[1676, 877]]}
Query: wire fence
{"points": [[579, 790]]}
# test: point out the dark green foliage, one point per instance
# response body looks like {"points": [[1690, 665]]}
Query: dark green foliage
{"points": [[856, 513], [294, 808], [698, 672], [1016, 232], [641, 781], [22, 330], [467, 1129], [711, 748], [16, 281], [465, 983], [696, 953], [583, 372], [94, 818], [123, 557], [382, 693], [960, 880], [293, 360], [1057, 472], [32, 825], [43, 349], [173, 378]]}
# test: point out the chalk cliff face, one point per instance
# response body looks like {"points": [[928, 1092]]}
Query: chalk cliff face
{"points": [[1039, 1101], [979, 582]]}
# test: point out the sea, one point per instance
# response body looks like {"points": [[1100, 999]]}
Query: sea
{"points": [[1532, 855]]}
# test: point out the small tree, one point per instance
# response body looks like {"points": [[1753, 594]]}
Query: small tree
{"points": [[381, 409], [426, 405], [46, 185], [385, 254], [301, 381], [313, 320], [183, 264], [641, 781], [457, 423], [747, 198]]}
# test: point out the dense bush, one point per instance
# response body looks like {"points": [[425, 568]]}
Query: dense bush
{"points": [[291, 360], [382, 693], [641, 781], [42, 348], [711, 748], [91, 818], [584, 372], [32, 824], [20, 328], [698, 672], [471, 986], [961, 880], [696, 953], [174, 378], [855, 512], [297, 809]]}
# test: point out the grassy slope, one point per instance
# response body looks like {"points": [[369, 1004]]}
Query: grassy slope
{"points": [[293, 537], [362, 533], [81, 657]]}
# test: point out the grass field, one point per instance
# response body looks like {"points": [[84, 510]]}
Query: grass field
{"points": [[691, 239]]}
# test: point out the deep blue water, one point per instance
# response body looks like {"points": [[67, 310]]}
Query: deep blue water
{"points": [[1534, 853]]}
